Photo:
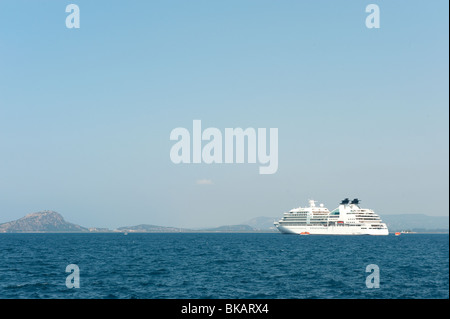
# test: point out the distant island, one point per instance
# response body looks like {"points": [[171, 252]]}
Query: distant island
{"points": [[53, 222], [46, 221]]}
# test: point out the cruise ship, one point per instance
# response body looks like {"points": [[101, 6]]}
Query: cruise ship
{"points": [[348, 219]]}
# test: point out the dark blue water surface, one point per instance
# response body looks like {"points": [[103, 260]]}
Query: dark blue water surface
{"points": [[220, 265]]}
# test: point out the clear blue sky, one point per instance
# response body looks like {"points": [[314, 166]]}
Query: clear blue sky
{"points": [[85, 114]]}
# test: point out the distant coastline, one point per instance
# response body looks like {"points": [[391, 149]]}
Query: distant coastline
{"points": [[53, 222]]}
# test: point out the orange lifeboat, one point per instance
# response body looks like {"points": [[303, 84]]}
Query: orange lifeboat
{"points": [[397, 234], [304, 233]]}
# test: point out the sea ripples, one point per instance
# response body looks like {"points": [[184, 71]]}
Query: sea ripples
{"points": [[202, 265]]}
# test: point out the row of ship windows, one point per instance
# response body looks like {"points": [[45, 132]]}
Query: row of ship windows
{"points": [[318, 220], [325, 217], [332, 214], [300, 219], [330, 224], [304, 213]]}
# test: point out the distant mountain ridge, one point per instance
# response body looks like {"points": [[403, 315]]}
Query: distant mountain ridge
{"points": [[51, 221], [416, 222], [145, 228], [230, 228], [262, 223], [45, 221]]}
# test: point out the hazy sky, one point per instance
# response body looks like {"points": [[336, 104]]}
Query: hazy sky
{"points": [[86, 114]]}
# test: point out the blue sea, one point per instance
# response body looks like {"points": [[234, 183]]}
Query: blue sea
{"points": [[223, 265]]}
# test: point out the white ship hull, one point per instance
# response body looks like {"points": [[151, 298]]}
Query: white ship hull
{"points": [[331, 230]]}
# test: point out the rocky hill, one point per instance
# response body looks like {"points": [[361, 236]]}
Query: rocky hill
{"points": [[45, 221]]}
